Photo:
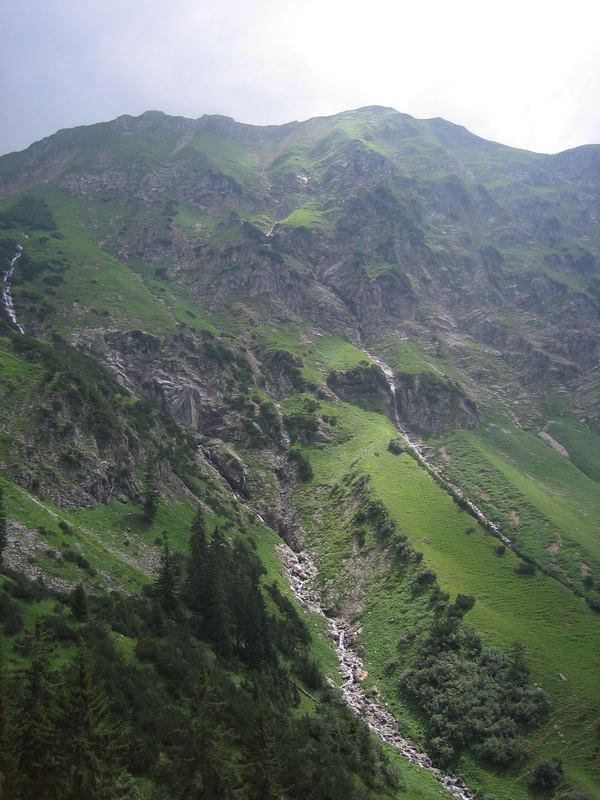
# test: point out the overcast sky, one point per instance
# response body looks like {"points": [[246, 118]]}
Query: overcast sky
{"points": [[522, 73]]}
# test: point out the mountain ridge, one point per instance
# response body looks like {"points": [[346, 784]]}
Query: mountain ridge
{"points": [[159, 114]]}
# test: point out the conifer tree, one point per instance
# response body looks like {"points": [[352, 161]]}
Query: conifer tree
{"points": [[150, 492], [2, 527], [218, 618], [78, 602], [7, 755], [196, 584], [204, 758], [38, 741], [249, 609], [264, 768], [90, 757], [165, 584]]}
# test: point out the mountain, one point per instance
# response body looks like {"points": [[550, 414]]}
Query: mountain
{"points": [[373, 338]]}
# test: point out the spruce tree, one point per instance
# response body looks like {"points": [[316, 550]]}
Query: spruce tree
{"points": [[150, 492], [249, 609], [165, 584], [78, 602], [201, 760], [218, 616], [196, 588], [264, 768], [2, 527], [37, 743], [7, 723], [89, 760]]}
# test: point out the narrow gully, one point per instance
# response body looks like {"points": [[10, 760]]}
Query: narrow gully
{"points": [[302, 573], [416, 449], [7, 302]]}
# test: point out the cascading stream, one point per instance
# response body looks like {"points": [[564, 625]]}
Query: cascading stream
{"points": [[7, 302], [301, 573], [416, 448]]}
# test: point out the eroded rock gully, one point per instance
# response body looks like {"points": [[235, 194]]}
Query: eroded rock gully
{"points": [[302, 573]]}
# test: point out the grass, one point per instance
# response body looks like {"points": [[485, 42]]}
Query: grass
{"points": [[560, 634], [333, 352], [404, 355], [225, 153], [582, 445], [305, 218], [542, 500], [95, 286], [419, 783]]}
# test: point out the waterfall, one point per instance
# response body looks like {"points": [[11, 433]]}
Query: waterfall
{"points": [[7, 302], [433, 469]]}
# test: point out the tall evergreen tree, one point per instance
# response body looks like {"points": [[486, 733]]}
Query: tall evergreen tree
{"points": [[7, 754], [2, 527], [38, 757], [248, 606], [200, 765], [78, 602], [89, 760], [264, 768], [165, 584], [150, 491], [196, 588], [218, 617]]}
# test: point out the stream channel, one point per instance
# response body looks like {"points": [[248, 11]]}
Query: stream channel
{"points": [[302, 574], [7, 303]]}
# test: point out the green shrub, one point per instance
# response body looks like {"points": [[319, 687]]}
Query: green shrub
{"points": [[305, 472], [11, 614], [302, 423], [525, 568], [546, 776], [66, 528], [395, 447], [470, 695]]}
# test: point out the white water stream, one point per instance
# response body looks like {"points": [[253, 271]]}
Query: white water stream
{"points": [[417, 450], [7, 303], [302, 573]]}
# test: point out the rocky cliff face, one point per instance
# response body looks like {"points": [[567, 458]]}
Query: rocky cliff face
{"points": [[367, 222]]}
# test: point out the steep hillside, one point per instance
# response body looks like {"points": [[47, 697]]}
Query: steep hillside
{"points": [[380, 337]]}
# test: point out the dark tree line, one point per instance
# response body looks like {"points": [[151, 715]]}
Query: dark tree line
{"points": [[56, 738], [472, 696], [205, 706]]}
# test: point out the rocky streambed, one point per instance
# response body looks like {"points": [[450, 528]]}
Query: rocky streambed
{"points": [[302, 574]]}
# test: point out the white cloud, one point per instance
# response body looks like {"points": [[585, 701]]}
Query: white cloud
{"points": [[526, 74]]}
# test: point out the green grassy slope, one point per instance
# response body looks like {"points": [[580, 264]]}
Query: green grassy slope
{"points": [[441, 235], [560, 634], [542, 500]]}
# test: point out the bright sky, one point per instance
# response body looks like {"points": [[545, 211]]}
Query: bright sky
{"points": [[522, 73]]}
